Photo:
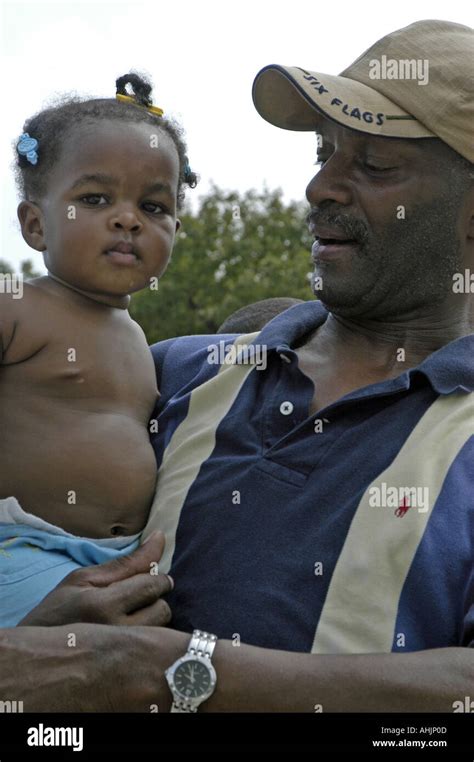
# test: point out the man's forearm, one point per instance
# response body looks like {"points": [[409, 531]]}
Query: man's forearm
{"points": [[261, 680], [87, 667], [39, 669], [97, 668]]}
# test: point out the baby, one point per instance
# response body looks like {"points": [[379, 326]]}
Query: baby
{"points": [[101, 182]]}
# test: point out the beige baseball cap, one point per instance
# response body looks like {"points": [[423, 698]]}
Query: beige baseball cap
{"points": [[417, 82]]}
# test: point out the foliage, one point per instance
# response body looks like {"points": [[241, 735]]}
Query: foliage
{"points": [[26, 268], [233, 250]]}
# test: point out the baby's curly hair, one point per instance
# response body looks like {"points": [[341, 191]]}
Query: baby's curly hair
{"points": [[50, 127]]}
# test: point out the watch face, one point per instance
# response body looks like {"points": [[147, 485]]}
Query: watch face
{"points": [[192, 679]]}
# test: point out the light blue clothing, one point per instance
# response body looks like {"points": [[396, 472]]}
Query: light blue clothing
{"points": [[35, 556]]}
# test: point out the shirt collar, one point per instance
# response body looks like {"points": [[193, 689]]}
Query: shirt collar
{"points": [[449, 369]]}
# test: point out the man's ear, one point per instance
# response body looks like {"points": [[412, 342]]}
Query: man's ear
{"points": [[32, 225], [178, 225]]}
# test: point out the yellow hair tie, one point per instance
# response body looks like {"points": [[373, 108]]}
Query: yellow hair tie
{"points": [[131, 99]]}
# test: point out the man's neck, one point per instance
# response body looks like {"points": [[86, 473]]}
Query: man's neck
{"points": [[386, 345]]}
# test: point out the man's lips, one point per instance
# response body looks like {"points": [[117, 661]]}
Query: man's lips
{"points": [[330, 243], [323, 250]]}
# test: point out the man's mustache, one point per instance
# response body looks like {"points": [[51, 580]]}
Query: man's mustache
{"points": [[351, 227]]}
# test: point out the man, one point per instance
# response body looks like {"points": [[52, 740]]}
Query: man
{"points": [[317, 507]]}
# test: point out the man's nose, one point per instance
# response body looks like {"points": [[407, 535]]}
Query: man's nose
{"points": [[331, 183]]}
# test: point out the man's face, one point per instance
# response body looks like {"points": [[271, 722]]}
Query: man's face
{"points": [[115, 182], [391, 199]]}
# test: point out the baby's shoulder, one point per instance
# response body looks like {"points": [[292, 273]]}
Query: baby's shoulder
{"points": [[23, 309], [24, 302], [17, 294]]}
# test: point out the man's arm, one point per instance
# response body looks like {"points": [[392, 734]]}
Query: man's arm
{"points": [[115, 669], [253, 679], [83, 668]]}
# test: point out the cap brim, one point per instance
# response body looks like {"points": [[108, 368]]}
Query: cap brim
{"points": [[294, 99]]}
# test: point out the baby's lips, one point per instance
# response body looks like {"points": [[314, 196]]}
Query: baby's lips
{"points": [[125, 247]]}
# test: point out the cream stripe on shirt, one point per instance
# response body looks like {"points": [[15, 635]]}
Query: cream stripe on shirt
{"points": [[360, 610], [191, 445]]}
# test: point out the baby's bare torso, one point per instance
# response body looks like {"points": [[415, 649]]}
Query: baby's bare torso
{"points": [[77, 390]]}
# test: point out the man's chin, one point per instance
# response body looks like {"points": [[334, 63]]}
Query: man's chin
{"points": [[342, 310], [346, 303]]}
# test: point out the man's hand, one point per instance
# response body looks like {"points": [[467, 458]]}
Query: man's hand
{"points": [[122, 591]]}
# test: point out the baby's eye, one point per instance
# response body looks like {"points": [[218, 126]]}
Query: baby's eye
{"points": [[152, 208], [92, 199]]}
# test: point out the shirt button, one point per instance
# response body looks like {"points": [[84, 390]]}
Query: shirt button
{"points": [[286, 408]]}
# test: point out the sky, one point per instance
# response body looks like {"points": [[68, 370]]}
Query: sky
{"points": [[202, 57]]}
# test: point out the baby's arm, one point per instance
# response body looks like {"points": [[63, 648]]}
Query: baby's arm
{"points": [[21, 336], [8, 321]]}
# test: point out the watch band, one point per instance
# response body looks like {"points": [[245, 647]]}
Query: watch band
{"points": [[202, 644]]}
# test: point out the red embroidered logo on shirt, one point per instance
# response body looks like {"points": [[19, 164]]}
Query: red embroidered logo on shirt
{"points": [[403, 507]]}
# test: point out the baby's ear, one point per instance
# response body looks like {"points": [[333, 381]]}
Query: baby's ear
{"points": [[32, 226]]}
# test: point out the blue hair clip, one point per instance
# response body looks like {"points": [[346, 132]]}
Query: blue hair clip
{"points": [[27, 147]]}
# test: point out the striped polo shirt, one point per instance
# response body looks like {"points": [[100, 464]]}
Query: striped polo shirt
{"points": [[348, 531]]}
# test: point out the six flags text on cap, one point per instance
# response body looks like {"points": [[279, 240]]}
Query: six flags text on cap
{"points": [[367, 116]]}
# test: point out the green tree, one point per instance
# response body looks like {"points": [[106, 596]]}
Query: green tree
{"points": [[234, 250], [27, 269]]}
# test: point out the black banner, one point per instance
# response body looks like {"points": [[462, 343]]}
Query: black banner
{"points": [[86, 736]]}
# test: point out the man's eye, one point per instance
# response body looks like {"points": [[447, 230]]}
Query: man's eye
{"points": [[92, 199], [375, 168]]}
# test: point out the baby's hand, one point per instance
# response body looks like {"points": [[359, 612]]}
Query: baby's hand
{"points": [[123, 591]]}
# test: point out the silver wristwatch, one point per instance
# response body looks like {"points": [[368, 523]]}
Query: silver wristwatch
{"points": [[192, 679]]}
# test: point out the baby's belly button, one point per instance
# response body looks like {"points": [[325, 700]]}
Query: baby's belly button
{"points": [[117, 531]]}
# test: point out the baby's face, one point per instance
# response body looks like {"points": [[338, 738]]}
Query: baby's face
{"points": [[115, 184]]}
